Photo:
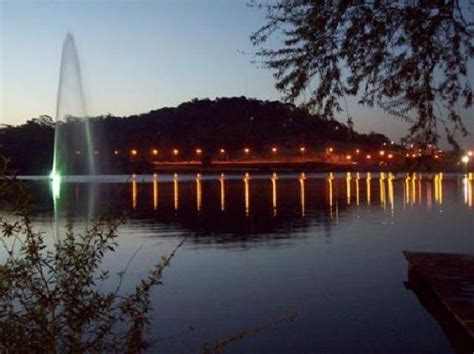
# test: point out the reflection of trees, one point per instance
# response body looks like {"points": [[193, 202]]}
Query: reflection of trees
{"points": [[211, 224], [52, 297], [260, 221]]}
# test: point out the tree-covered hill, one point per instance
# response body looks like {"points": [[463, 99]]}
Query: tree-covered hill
{"points": [[231, 124]]}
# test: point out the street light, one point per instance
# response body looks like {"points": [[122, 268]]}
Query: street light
{"points": [[154, 152], [175, 152], [134, 152], [198, 151], [274, 149]]}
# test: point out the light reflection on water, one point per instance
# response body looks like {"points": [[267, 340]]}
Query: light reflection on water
{"points": [[412, 190], [260, 245], [411, 184]]}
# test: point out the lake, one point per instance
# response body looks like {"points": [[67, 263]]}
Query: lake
{"points": [[261, 246]]}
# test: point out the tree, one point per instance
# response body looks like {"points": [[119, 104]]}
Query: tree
{"points": [[409, 57], [42, 120]]}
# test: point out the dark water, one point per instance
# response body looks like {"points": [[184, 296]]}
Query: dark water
{"points": [[259, 248]]}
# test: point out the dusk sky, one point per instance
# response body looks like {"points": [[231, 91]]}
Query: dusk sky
{"points": [[137, 56]]}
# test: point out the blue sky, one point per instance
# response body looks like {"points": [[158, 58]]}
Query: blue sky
{"points": [[140, 55]]}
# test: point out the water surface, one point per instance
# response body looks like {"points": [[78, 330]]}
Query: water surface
{"points": [[261, 246]]}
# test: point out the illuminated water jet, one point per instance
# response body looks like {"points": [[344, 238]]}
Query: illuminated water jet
{"points": [[72, 128], [73, 144]]}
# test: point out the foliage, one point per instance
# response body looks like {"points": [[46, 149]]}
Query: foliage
{"points": [[34, 140], [51, 296], [408, 57]]}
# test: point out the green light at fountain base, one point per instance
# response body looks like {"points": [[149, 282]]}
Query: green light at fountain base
{"points": [[55, 179]]}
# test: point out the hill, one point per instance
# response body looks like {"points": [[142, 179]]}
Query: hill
{"points": [[206, 126]]}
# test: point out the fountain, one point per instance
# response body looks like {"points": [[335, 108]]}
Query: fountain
{"points": [[73, 145], [74, 152]]}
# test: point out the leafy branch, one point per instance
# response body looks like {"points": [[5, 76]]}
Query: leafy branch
{"points": [[405, 56], [51, 297]]}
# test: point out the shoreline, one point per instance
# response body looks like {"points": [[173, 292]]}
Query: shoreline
{"points": [[295, 166]]}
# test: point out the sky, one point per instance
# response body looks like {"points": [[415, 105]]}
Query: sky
{"points": [[139, 55]]}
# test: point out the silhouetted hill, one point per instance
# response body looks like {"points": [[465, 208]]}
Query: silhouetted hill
{"points": [[210, 125]]}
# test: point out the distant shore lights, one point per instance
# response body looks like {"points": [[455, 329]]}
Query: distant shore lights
{"points": [[352, 156]]}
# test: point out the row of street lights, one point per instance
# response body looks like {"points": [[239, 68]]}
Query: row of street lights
{"points": [[274, 150], [199, 151], [329, 151]]}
